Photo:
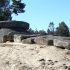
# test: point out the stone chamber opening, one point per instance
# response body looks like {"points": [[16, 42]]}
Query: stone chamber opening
{"points": [[9, 38], [50, 42]]}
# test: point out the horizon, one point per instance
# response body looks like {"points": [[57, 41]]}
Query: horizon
{"points": [[39, 13]]}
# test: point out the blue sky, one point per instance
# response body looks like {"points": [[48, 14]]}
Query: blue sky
{"points": [[39, 13]]}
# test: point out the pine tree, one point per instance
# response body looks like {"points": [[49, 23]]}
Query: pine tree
{"points": [[51, 28], [62, 30], [7, 9]]}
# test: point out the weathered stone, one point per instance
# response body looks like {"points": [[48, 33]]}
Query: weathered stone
{"points": [[10, 38], [23, 37], [41, 40], [17, 38], [62, 43], [35, 40], [5, 38], [28, 41]]}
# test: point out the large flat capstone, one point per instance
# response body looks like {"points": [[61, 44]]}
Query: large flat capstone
{"points": [[14, 24]]}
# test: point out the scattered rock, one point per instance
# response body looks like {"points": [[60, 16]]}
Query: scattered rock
{"points": [[50, 62], [65, 66], [68, 52], [68, 68], [25, 68], [42, 60], [56, 61]]}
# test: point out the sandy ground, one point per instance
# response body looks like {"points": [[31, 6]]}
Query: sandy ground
{"points": [[18, 56]]}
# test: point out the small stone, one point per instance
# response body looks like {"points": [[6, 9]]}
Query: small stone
{"points": [[42, 60], [64, 64], [49, 60], [68, 68], [55, 61]]}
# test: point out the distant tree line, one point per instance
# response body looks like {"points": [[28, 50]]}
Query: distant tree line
{"points": [[61, 30], [40, 32]]}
